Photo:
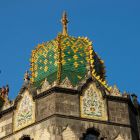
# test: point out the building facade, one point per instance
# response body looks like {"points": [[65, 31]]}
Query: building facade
{"points": [[66, 97]]}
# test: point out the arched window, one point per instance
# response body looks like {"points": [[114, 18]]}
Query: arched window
{"points": [[90, 137], [91, 134], [25, 137]]}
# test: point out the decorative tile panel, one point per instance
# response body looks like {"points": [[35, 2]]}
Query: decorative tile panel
{"points": [[25, 112], [92, 104]]}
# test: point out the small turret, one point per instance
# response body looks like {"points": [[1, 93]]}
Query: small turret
{"points": [[4, 91], [7, 89], [4, 95], [26, 78]]}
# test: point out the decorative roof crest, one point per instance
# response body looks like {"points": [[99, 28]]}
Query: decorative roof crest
{"points": [[115, 91], [64, 22], [66, 83], [46, 84]]}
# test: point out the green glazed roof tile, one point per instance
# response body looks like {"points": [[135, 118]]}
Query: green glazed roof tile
{"points": [[73, 54]]}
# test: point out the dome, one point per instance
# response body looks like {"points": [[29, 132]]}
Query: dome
{"points": [[65, 57]]}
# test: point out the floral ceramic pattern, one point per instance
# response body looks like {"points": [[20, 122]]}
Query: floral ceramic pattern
{"points": [[92, 103], [25, 113]]}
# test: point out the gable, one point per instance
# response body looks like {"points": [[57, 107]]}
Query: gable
{"points": [[92, 104], [24, 114]]}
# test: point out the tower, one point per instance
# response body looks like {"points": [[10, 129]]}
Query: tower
{"points": [[67, 97]]}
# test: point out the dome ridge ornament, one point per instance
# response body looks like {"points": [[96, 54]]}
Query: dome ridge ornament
{"points": [[64, 22], [115, 91]]}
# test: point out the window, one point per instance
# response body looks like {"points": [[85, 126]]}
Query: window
{"points": [[25, 137], [90, 137], [91, 134]]}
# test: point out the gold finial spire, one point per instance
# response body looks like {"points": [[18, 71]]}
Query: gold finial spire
{"points": [[64, 22]]}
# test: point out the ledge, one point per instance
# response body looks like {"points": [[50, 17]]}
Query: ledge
{"points": [[57, 90]]}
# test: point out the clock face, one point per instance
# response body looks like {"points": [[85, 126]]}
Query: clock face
{"points": [[92, 104]]}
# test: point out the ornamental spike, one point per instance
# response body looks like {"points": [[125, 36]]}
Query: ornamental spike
{"points": [[64, 22]]}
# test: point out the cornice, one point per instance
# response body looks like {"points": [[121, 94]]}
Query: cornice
{"points": [[56, 89], [7, 111]]}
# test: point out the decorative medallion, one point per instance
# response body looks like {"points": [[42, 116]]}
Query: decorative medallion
{"points": [[25, 112], [92, 104]]}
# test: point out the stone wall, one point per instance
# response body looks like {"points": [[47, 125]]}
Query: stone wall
{"points": [[58, 118], [58, 128], [138, 123], [118, 112], [57, 103], [45, 107], [40, 131], [110, 131], [6, 125], [67, 104], [133, 121]]}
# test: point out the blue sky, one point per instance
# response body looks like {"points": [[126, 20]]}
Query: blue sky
{"points": [[112, 25]]}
